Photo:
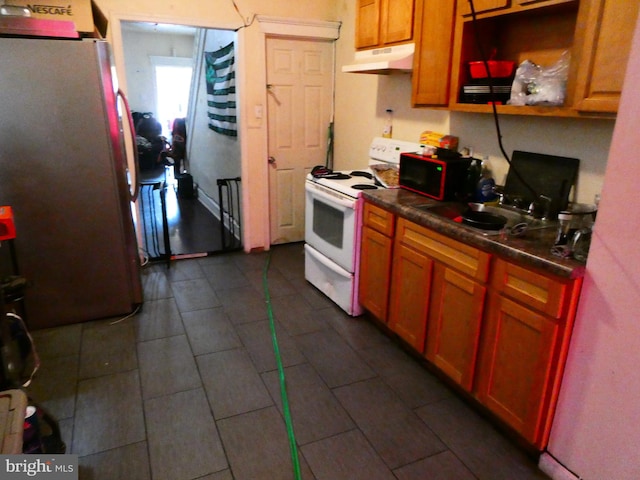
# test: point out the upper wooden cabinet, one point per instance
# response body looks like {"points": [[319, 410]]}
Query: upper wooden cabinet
{"points": [[596, 33], [383, 22], [603, 41], [368, 23], [435, 21]]}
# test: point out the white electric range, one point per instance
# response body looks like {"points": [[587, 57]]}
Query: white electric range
{"points": [[333, 221]]}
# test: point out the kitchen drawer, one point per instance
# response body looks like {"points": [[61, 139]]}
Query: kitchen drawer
{"points": [[462, 257], [378, 219], [482, 5], [541, 3], [540, 292]]}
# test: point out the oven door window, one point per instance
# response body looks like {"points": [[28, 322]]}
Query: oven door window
{"points": [[328, 223]]}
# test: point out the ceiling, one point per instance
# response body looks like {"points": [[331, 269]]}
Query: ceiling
{"points": [[165, 28]]}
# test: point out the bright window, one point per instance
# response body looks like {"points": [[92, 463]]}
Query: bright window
{"points": [[173, 84]]}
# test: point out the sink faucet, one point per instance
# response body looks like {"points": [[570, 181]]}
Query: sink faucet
{"points": [[541, 207], [499, 191]]}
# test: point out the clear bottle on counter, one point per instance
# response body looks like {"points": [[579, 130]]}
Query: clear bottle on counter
{"points": [[485, 190], [564, 229], [387, 132]]}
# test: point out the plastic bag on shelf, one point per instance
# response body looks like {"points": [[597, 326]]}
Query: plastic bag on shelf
{"points": [[537, 85]]}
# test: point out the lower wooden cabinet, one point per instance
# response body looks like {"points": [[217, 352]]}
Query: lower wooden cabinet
{"points": [[499, 330], [437, 294], [375, 260], [410, 290], [455, 318], [375, 272], [517, 365], [525, 338]]}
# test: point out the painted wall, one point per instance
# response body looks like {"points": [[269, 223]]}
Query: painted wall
{"points": [[595, 433], [361, 101], [222, 12], [360, 104], [139, 47], [211, 155]]}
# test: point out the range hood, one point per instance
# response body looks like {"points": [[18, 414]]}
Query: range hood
{"points": [[398, 58]]}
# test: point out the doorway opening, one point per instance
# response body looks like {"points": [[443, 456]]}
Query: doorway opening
{"points": [[166, 78]]}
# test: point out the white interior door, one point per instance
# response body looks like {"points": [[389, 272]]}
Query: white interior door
{"points": [[300, 110]]}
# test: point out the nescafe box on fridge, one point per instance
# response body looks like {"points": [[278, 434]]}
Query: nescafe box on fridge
{"points": [[436, 176]]}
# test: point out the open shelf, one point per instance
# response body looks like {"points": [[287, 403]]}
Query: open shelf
{"points": [[540, 35]]}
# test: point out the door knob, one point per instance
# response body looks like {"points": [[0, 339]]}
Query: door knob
{"points": [[272, 160]]}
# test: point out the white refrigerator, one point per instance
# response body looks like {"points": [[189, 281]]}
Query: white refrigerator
{"points": [[595, 433], [63, 170]]}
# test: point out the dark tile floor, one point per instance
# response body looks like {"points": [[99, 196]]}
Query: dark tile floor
{"points": [[189, 388], [192, 228]]}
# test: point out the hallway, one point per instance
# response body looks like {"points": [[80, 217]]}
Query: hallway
{"points": [[188, 388], [192, 228]]}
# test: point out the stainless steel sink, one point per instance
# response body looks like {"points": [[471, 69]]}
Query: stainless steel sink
{"points": [[450, 210], [518, 222]]}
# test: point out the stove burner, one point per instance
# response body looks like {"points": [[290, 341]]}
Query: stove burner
{"points": [[364, 186], [332, 176], [323, 172], [359, 173]]}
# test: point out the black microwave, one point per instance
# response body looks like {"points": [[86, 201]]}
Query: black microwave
{"points": [[433, 176]]}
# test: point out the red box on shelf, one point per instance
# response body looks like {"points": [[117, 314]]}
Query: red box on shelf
{"points": [[497, 68], [7, 227]]}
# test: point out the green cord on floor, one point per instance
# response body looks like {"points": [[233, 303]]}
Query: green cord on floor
{"points": [[283, 387]]}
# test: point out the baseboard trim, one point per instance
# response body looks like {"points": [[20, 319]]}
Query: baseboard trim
{"points": [[208, 202], [552, 467], [213, 206]]}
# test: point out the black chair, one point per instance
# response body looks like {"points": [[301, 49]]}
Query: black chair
{"points": [[152, 147]]}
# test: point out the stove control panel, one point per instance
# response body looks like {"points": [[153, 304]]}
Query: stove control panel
{"points": [[388, 150]]}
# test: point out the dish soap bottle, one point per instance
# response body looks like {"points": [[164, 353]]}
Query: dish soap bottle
{"points": [[388, 124], [485, 190]]}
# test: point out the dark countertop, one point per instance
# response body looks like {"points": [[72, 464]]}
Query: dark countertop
{"points": [[533, 250]]}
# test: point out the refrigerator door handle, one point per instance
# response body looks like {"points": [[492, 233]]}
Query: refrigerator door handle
{"points": [[136, 173]]}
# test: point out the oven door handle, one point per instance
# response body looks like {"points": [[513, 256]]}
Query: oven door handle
{"points": [[332, 199], [326, 262]]}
